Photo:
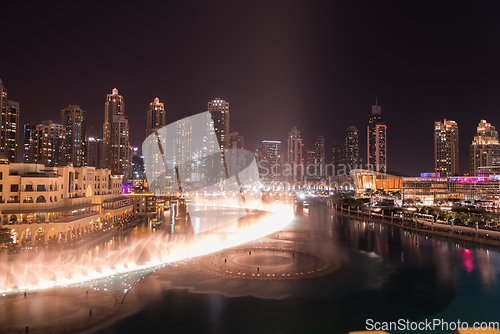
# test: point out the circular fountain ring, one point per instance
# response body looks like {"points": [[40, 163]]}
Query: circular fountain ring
{"points": [[267, 263], [303, 236]]}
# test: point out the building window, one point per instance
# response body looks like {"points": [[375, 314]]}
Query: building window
{"points": [[1, 175], [1, 187], [28, 199], [40, 199], [29, 187], [14, 188], [40, 187]]}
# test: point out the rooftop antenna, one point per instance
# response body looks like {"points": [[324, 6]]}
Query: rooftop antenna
{"points": [[376, 101]]}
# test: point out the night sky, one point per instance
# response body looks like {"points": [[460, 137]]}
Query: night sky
{"points": [[317, 65]]}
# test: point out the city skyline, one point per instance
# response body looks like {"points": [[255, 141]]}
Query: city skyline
{"points": [[68, 117], [305, 68]]}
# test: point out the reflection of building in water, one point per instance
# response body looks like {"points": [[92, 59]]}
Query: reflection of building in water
{"points": [[183, 153], [59, 204]]}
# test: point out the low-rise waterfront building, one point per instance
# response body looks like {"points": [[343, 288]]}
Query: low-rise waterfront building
{"points": [[59, 203]]}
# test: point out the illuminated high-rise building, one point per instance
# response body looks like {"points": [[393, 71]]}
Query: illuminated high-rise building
{"points": [[29, 140], [352, 147], [156, 117], [485, 148], [294, 171], [116, 144], [73, 118], [377, 140], [338, 158], [446, 148], [94, 152], [49, 145], [219, 109], [271, 150], [319, 157], [183, 149], [9, 126], [310, 166], [10, 131]]}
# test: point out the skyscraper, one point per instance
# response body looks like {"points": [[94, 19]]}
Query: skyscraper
{"points": [[485, 148], [50, 144], [319, 157], [446, 148], [29, 143], [116, 145], [94, 152], [295, 161], [310, 165], [156, 117], [351, 147], [271, 150], [3, 110], [338, 158], [219, 109], [183, 149], [377, 141], [73, 118], [10, 131], [9, 126]]}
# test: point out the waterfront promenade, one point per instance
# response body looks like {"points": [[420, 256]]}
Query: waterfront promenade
{"points": [[464, 233]]}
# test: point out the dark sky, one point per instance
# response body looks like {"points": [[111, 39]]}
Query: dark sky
{"points": [[316, 64]]}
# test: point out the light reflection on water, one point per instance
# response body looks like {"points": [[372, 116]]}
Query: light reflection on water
{"points": [[388, 274]]}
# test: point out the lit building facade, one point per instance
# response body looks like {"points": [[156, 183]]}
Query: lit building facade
{"points": [[294, 171], [319, 157], [10, 131], [49, 145], [271, 150], [94, 152], [446, 150], [40, 204], [29, 139], [352, 146], [156, 117], [368, 179], [9, 126], [219, 110], [430, 187], [73, 118], [377, 140], [485, 148], [338, 158], [116, 143], [310, 167], [183, 149], [425, 189]]}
